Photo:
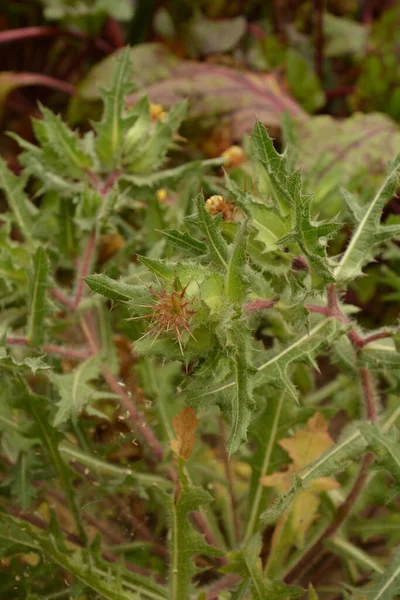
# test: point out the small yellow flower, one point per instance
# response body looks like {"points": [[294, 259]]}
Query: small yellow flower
{"points": [[157, 112], [161, 194]]}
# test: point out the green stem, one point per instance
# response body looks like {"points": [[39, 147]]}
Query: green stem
{"points": [[255, 506]]}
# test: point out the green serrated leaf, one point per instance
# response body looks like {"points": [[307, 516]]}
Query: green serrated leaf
{"points": [[235, 287], [368, 230], [242, 401], [261, 462], [13, 187], [184, 241], [75, 390], [50, 438], [110, 288], [113, 126], [384, 587], [65, 145], [247, 563], [154, 151], [160, 267], [185, 542], [310, 236], [386, 447], [275, 164], [209, 225], [100, 578], [275, 370], [37, 296], [212, 292]]}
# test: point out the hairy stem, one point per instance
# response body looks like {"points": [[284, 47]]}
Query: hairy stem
{"points": [[84, 268]]}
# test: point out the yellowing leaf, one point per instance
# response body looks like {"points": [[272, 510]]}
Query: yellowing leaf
{"points": [[185, 424], [308, 444], [280, 481], [303, 514], [305, 446]]}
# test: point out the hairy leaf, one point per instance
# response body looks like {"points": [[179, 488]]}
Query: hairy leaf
{"points": [[61, 146], [113, 126], [37, 291], [185, 542], [110, 288], [75, 391], [369, 230], [13, 187], [242, 402], [247, 563], [235, 287], [310, 236], [99, 578], [386, 447], [185, 242], [209, 225], [384, 587]]}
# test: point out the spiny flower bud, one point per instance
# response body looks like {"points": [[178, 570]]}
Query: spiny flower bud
{"points": [[234, 156], [169, 313]]}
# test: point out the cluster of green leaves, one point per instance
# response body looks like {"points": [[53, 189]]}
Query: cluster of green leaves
{"points": [[211, 296]]}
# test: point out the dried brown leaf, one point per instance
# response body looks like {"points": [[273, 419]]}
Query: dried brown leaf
{"points": [[185, 424]]}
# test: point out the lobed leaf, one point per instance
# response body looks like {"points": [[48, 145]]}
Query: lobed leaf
{"points": [[185, 542], [369, 231], [113, 126], [13, 187], [75, 391], [247, 563], [209, 225], [100, 578]]}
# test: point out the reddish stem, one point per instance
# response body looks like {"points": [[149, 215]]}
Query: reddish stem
{"points": [[226, 583], [140, 528], [319, 37], [339, 92], [138, 420], [369, 393], [25, 33], [333, 310], [26, 79], [259, 305], [256, 31], [115, 33], [67, 302], [51, 349], [84, 268]]}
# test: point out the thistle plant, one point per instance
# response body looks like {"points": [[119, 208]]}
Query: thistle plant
{"points": [[191, 407]]}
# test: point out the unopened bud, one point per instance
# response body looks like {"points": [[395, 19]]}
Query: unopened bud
{"points": [[215, 205], [234, 156]]}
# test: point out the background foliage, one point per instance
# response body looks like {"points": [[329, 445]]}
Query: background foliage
{"points": [[199, 297]]}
